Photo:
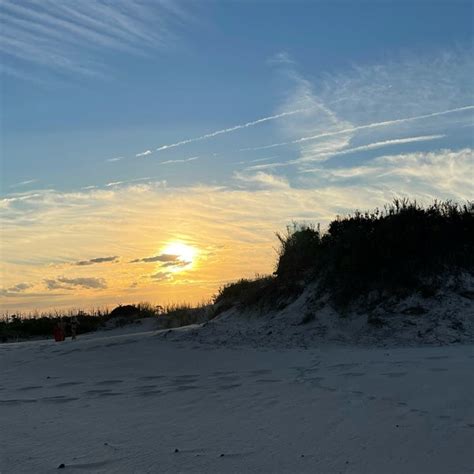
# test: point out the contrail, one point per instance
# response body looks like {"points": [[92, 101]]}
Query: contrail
{"points": [[371, 146], [327, 155], [231, 129], [362, 127]]}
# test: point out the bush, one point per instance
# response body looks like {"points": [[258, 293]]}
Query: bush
{"points": [[245, 293], [299, 251], [397, 249], [391, 249]]}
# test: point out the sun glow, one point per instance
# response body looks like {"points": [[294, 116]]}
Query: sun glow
{"points": [[185, 254]]}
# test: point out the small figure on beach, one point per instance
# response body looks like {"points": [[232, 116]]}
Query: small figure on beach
{"points": [[59, 331], [74, 323]]}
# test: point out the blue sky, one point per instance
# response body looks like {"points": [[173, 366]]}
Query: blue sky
{"points": [[323, 105]]}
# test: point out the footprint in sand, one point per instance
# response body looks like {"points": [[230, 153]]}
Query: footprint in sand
{"points": [[353, 374], [18, 401], [150, 393], [151, 377], [343, 366], [59, 399], [263, 371], [230, 386], [29, 387], [393, 375], [109, 382], [67, 384], [184, 379], [223, 372], [97, 391], [438, 369], [183, 388], [228, 378], [145, 387]]}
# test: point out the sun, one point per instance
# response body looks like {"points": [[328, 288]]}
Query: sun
{"points": [[186, 254]]}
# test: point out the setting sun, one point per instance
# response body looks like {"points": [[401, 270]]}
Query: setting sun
{"points": [[185, 253]]}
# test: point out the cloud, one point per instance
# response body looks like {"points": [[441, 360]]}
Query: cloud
{"points": [[15, 289], [164, 257], [385, 123], [444, 173], [176, 263], [144, 153], [193, 158], [71, 283], [231, 129], [367, 147], [258, 160], [24, 183], [161, 276], [136, 180], [92, 261], [74, 37], [263, 179], [281, 58], [117, 158]]}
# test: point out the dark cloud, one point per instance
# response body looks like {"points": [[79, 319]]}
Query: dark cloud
{"points": [[15, 289], [160, 276], [177, 263], [71, 283], [92, 261], [164, 257], [20, 287]]}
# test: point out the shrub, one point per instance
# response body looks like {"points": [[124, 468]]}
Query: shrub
{"points": [[390, 249], [245, 292]]}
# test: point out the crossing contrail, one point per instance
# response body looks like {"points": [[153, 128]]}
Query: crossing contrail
{"points": [[231, 129], [362, 127]]}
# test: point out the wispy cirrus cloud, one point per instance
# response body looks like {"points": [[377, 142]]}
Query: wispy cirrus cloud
{"points": [[265, 180], [357, 128], [368, 147], [72, 37]]}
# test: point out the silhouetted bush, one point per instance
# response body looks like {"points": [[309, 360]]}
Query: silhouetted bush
{"points": [[391, 249], [403, 247], [25, 326]]}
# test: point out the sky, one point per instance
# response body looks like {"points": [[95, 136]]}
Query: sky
{"points": [[151, 149]]}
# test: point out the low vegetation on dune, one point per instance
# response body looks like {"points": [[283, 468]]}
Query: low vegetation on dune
{"points": [[387, 253], [401, 248], [37, 325]]}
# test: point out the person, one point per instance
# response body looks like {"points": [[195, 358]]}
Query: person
{"points": [[57, 333], [74, 323], [62, 330]]}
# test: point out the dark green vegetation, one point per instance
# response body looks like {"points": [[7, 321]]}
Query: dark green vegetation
{"points": [[402, 248], [25, 326], [40, 325]]}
